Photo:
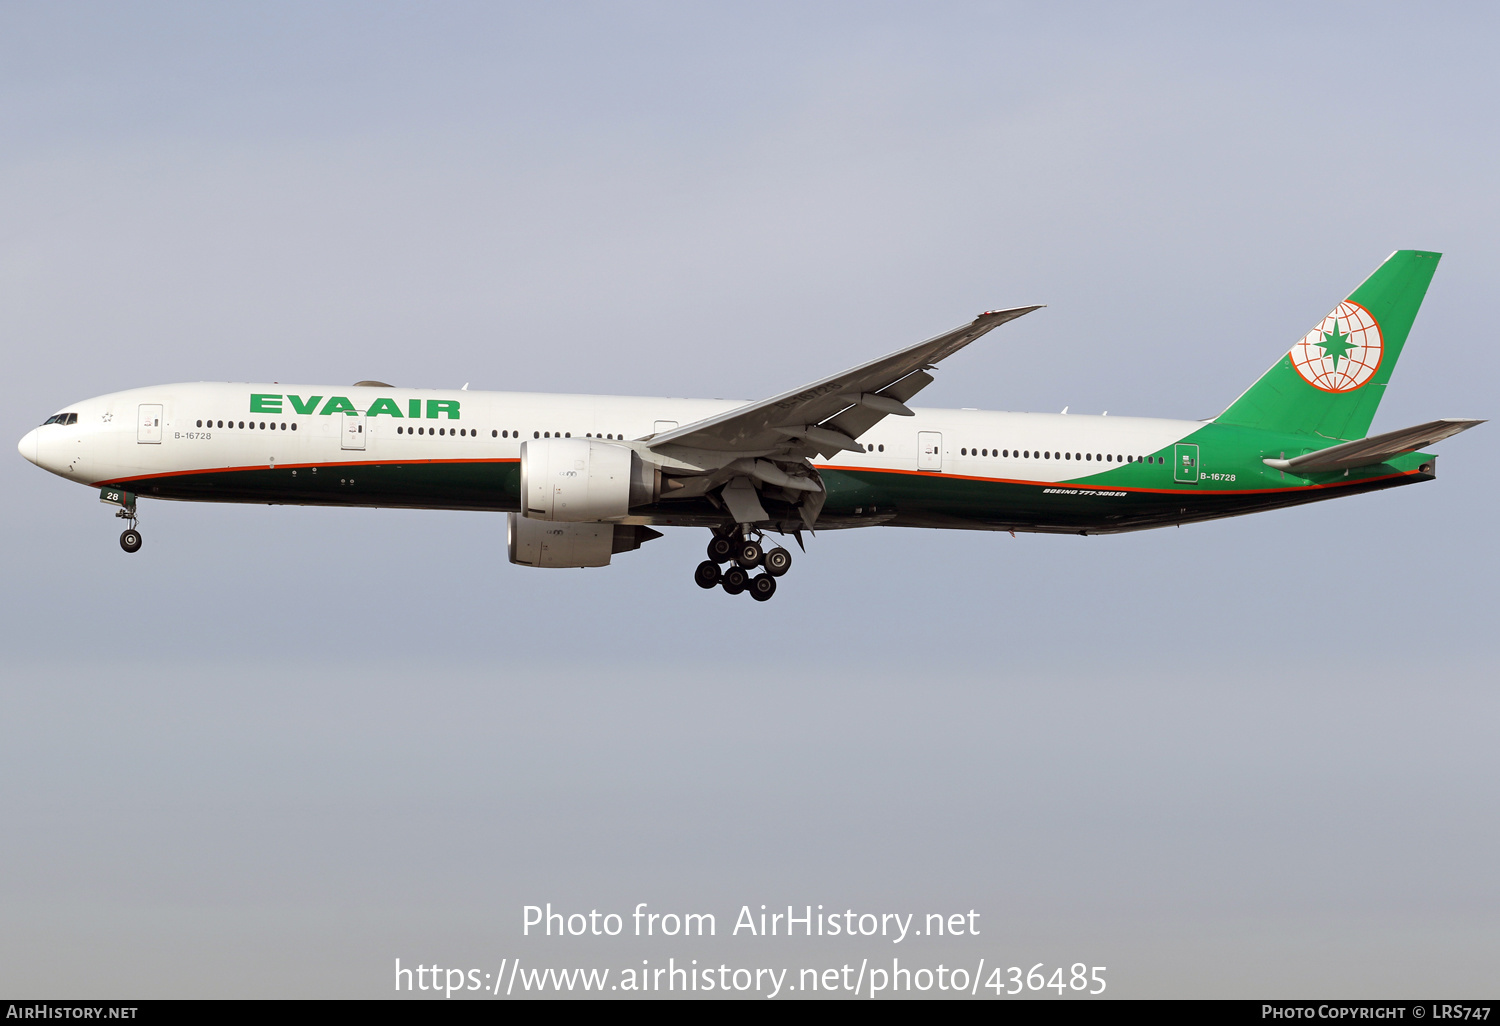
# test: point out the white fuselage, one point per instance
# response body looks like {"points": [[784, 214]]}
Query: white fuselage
{"points": [[109, 443]]}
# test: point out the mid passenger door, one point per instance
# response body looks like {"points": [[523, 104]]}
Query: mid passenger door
{"points": [[929, 450], [354, 431]]}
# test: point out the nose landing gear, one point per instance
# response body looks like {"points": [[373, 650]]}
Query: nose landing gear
{"points": [[130, 538], [744, 555]]}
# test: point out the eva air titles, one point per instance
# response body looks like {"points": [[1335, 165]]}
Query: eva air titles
{"points": [[328, 405]]}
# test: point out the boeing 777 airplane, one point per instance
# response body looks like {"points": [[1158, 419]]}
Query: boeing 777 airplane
{"points": [[585, 477]]}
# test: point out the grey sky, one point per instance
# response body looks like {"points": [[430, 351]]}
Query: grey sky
{"points": [[1242, 758]]}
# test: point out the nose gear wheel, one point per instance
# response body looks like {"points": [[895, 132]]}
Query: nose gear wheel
{"points": [[130, 538]]}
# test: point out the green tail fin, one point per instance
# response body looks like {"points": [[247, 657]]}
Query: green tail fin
{"points": [[1334, 377]]}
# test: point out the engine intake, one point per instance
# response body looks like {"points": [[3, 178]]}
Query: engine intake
{"points": [[583, 480]]}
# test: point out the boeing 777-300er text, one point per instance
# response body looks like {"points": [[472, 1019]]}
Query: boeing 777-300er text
{"points": [[584, 477]]}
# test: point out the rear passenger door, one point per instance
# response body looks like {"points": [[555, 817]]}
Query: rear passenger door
{"points": [[1185, 460]]}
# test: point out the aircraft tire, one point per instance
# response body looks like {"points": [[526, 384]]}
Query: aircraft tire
{"points": [[707, 575], [778, 561], [735, 580], [130, 540], [720, 550], [762, 587], [748, 554]]}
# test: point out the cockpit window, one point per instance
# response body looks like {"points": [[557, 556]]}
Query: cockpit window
{"points": [[61, 418]]}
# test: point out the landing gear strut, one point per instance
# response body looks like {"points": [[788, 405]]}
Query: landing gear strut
{"points": [[744, 554], [130, 538]]}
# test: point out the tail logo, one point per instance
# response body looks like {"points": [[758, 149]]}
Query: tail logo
{"points": [[1343, 352]]}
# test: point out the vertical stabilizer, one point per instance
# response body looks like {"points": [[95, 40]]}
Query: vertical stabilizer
{"points": [[1334, 377]]}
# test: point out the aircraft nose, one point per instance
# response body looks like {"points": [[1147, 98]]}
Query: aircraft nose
{"points": [[27, 445]]}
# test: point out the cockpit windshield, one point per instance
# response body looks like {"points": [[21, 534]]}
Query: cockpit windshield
{"points": [[61, 418]]}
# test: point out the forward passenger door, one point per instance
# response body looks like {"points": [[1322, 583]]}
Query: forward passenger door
{"points": [[148, 426]]}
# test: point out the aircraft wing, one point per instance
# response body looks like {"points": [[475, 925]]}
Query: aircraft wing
{"points": [[1366, 452], [828, 415]]}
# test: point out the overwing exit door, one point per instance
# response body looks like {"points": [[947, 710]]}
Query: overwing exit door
{"points": [[1185, 463], [929, 450], [354, 431]]}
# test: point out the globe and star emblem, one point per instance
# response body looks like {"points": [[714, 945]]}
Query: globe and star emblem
{"points": [[1342, 353]]}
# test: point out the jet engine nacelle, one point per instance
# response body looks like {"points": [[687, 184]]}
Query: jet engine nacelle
{"points": [[535, 543], [582, 480]]}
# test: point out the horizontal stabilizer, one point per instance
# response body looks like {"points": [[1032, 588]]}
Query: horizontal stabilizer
{"points": [[1366, 452]]}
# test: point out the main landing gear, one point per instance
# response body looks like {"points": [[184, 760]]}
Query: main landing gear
{"points": [[743, 555]]}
